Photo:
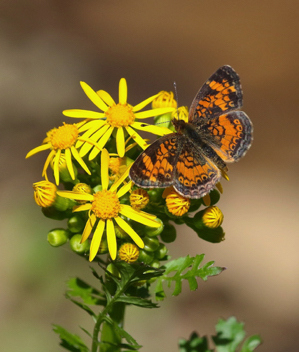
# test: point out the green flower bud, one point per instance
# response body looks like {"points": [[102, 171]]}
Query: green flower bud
{"points": [[145, 257], [61, 203], [77, 246], [65, 175], [168, 235], [164, 120], [215, 196], [98, 188], [53, 213], [120, 233], [113, 270], [155, 195], [161, 252], [57, 237], [76, 224], [151, 244], [103, 246], [155, 264], [153, 232]]}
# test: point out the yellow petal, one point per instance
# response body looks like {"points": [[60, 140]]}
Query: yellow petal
{"points": [[87, 134], [95, 138], [144, 103], [101, 143], [83, 114], [153, 112], [96, 240], [69, 164], [49, 158], [80, 160], [142, 213], [141, 142], [128, 229], [130, 213], [123, 91], [106, 97], [88, 227], [120, 142], [124, 189], [115, 185], [94, 124], [160, 131], [111, 238], [92, 95], [38, 149], [76, 195], [104, 169], [82, 207], [56, 166]]}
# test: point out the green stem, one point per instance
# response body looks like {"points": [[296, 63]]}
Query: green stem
{"points": [[116, 312]]}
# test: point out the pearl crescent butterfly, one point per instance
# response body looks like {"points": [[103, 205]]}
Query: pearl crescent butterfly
{"points": [[193, 159]]}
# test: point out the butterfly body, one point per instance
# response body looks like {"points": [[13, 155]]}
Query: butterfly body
{"points": [[193, 159]]}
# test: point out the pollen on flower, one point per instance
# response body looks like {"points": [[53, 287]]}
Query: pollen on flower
{"points": [[213, 217], [114, 165], [120, 115], [181, 113], [105, 205], [164, 100], [177, 204], [64, 136], [44, 193], [139, 199], [128, 252]]}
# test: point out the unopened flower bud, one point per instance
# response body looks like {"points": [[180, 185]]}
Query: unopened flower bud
{"points": [[57, 237]]}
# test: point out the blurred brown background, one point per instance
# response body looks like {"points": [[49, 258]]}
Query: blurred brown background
{"points": [[46, 48]]}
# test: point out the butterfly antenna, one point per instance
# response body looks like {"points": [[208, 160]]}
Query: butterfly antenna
{"points": [[176, 98]]}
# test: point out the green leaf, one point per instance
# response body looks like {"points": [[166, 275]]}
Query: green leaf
{"points": [[69, 341], [251, 343], [230, 334], [131, 341], [194, 344], [185, 268], [89, 295], [137, 301], [84, 307]]}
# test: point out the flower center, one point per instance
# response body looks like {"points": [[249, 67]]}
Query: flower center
{"points": [[105, 205], [64, 136], [120, 115]]}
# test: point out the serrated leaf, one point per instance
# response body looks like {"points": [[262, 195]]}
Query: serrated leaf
{"points": [[122, 333], [194, 344], [69, 341], [137, 301], [180, 266], [84, 307], [251, 343], [89, 295], [230, 334]]}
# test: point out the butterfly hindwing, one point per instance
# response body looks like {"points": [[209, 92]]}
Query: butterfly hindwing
{"points": [[221, 93], [231, 135], [196, 175], [155, 167]]}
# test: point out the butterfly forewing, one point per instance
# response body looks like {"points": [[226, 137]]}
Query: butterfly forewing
{"points": [[220, 94]]}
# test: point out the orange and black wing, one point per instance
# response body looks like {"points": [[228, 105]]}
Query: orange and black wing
{"points": [[155, 167], [231, 135], [196, 175], [220, 94]]}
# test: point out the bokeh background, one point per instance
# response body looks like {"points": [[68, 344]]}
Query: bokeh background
{"points": [[47, 47]]}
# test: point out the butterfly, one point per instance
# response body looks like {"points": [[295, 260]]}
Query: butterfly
{"points": [[193, 159]]}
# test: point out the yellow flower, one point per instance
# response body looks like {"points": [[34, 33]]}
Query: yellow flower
{"points": [[139, 198], [61, 141], [181, 113], [177, 204], [105, 209], [164, 100], [128, 252], [122, 117], [213, 217], [44, 193]]}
